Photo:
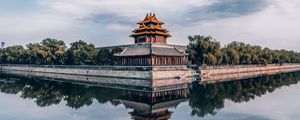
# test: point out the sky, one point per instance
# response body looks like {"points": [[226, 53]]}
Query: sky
{"points": [[269, 23]]}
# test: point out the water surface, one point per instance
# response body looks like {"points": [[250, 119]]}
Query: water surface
{"points": [[264, 98]]}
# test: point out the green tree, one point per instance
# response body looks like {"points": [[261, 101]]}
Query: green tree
{"points": [[54, 49], [103, 57], [2, 56], [233, 56], [203, 49], [80, 52], [14, 54], [106, 56], [211, 59], [37, 53], [112, 57]]}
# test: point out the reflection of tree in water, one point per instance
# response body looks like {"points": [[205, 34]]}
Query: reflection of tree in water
{"points": [[11, 88], [47, 93], [208, 99], [203, 99], [78, 96]]}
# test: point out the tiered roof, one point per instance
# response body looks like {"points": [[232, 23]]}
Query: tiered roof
{"points": [[150, 26], [151, 49]]}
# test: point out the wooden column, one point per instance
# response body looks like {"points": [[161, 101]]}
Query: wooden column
{"points": [[159, 61], [181, 61], [140, 61], [122, 61]]}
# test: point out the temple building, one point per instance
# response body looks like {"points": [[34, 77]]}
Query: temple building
{"points": [[150, 46]]}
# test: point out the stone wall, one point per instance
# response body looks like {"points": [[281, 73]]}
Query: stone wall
{"points": [[170, 77], [174, 77], [121, 83], [101, 72], [153, 77], [165, 78], [224, 73]]}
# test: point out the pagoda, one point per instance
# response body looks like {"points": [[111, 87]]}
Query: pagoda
{"points": [[150, 46]]}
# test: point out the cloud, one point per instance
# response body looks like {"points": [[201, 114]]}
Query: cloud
{"points": [[274, 26], [226, 8], [31, 27], [107, 18], [271, 23]]}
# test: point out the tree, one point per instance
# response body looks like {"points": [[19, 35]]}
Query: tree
{"points": [[80, 52], [54, 49], [245, 58], [211, 59], [14, 54], [233, 56], [2, 55], [106, 56], [284, 58], [37, 54], [203, 49], [103, 57], [114, 51]]}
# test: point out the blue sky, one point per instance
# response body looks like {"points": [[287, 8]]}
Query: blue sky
{"points": [[269, 23]]}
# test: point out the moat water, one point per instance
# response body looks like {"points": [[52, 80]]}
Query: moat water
{"points": [[272, 97]]}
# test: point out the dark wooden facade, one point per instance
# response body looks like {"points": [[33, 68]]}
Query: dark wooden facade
{"points": [[151, 60]]}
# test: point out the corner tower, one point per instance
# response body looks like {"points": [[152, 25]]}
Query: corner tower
{"points": [[151, 48], [150, 31]]}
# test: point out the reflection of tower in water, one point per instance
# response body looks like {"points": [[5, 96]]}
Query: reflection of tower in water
{"points": [[153, 105]]}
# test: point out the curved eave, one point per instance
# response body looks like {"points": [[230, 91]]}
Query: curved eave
{"points": [[168, 55], [130, 55], [118, 55], [150, 21], [151, 32], [150, 28], [138, 34]]}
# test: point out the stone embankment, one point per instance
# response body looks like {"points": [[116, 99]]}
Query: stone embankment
{"points": [[225, 73], [156, 77], [100, 71]]}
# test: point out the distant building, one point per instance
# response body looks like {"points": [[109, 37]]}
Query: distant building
{"points": [[150, 46], [2, 45]]}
